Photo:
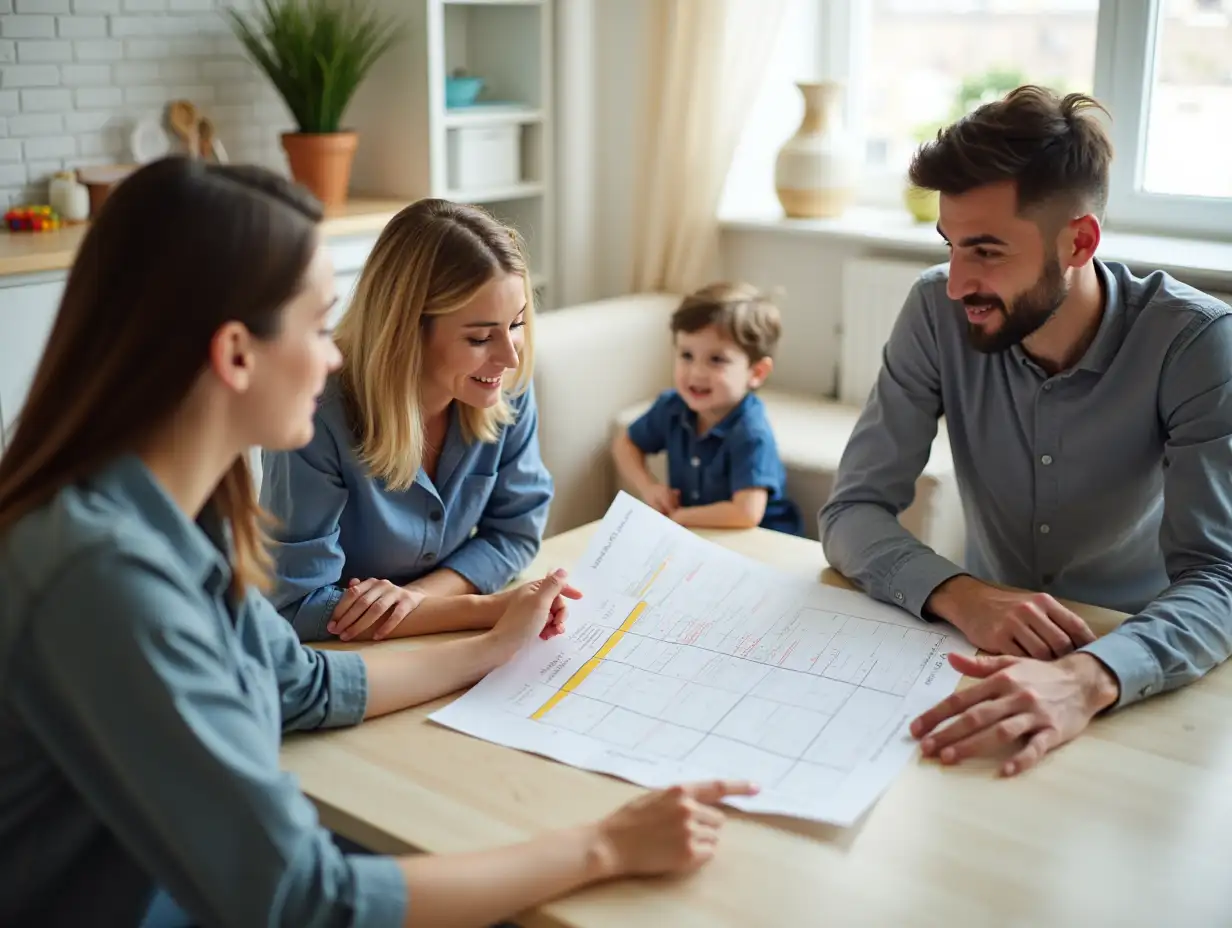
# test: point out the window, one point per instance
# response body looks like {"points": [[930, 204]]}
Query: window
{"points": [[1163, 68], [931, 61], [1189, 109]]}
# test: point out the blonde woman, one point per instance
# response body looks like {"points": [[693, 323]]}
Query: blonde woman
{"points": [[147, 683], [422, 493]]}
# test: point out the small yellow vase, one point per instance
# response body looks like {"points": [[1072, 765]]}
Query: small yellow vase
{"points": [[924, 205]]}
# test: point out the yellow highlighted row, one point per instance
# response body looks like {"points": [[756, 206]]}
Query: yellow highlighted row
{"points": [[653, 578], [584, 671]]}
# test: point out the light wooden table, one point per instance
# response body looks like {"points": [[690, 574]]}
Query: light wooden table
{"points": [[1129, 825]]}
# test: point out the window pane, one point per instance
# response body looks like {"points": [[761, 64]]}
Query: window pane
{"points": [[1189, 124], [931, 61]]}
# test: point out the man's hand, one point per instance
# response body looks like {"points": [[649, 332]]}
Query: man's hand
{"points": [[1046, 703], [1009, 621]]}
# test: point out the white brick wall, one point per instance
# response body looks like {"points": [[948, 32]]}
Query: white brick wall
{"points": [[76, 75]]}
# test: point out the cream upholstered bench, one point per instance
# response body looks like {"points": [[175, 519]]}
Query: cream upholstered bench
{"points": [[811, 433], [600, 365]]}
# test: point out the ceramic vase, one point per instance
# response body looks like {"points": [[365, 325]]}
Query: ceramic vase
{"points": [[815, 172], [924, 205], [69, 198]]}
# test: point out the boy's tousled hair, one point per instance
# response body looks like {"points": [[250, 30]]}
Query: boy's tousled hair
{"points": [[740, 311], [1054, 148]]}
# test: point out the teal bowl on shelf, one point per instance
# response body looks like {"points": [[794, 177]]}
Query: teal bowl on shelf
{"points": [[462, 91]]}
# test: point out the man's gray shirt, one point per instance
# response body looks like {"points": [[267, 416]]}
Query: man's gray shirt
{"points": [[1109, 483]]}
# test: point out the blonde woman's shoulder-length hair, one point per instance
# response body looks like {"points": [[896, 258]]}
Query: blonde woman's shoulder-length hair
{"points": [[429, 260]]}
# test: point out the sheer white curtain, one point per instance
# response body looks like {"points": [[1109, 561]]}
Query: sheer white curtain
{"points": [[707, 60]]}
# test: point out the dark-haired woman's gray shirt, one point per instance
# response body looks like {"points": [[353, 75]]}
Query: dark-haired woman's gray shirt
{"points": [[141, 713]]}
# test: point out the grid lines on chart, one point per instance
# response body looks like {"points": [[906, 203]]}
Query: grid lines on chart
{"points": [[678, 698]]}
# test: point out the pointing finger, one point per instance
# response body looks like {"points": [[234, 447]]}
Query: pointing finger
{"points": [[713, 791]]}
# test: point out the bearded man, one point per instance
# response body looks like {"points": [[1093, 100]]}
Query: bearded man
{"points": [[1090, 415]]}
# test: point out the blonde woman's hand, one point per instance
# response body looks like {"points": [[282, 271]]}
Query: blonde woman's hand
{"points": [[533, 610], [368, 602], [674, 830]]}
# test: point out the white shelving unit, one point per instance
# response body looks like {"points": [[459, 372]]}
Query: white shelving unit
{"points": [[407, 132]]}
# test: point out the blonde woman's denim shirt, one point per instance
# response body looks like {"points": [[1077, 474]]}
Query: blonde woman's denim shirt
{"points": [[482, 517], [142, 709]]}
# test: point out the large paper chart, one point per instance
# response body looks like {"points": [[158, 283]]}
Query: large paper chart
{"points": [[687, 661]]}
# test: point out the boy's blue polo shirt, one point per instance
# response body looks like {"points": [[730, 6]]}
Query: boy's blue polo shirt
{"points": [[739, 453]]}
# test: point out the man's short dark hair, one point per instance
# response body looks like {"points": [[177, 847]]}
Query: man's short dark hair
{"points": [[1055, 150]]}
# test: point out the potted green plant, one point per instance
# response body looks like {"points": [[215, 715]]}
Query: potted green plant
{"points": [[316, 53]]}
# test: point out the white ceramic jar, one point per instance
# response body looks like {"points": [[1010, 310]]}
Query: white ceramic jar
{"points": [[817, 169], [69, 198]]}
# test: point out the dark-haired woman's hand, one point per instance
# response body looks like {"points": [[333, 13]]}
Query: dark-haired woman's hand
{"points": [[496, 604], [533, 610]]}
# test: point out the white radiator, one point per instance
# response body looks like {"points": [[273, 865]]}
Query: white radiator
{"points": [[873, 293]]}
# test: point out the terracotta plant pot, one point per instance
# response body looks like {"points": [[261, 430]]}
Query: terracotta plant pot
{"points": [[322, 163]]}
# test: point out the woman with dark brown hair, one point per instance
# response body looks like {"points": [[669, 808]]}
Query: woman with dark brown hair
{"points": [[145, 682]]}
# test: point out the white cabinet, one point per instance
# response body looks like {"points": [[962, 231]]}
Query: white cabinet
{"points": [[28, 307], [349, 254], [497, 150], [344, 286]]}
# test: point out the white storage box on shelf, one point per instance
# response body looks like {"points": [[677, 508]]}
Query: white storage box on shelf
{"points": [[483, 157]]}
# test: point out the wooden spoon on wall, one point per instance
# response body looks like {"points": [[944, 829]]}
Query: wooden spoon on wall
{"points": [[185, 120], [211, 147]]}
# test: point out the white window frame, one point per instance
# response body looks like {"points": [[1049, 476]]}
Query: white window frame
{"points": [[1126, 36]]}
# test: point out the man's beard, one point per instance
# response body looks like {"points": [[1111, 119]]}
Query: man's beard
{"points": [[1031, 309]]}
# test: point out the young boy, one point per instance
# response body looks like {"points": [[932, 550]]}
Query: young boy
{"points": [[722, 461]]}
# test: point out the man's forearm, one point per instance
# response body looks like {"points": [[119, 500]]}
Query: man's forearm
{"points": [[945, 601], [870, 547], [1175, 640], [1098, 684]]}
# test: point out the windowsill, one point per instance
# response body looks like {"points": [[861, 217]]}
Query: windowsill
{"points": [[1199, 262]]}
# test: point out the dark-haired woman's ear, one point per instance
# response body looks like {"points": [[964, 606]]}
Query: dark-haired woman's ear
{"points": [[231, 356]]}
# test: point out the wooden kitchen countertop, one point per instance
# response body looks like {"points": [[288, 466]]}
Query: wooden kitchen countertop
{"points": [[30, 252]]}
